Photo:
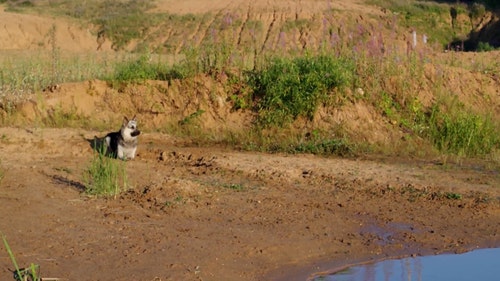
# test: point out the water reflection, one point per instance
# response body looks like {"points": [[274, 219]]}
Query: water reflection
{"points": [[481, 265]]}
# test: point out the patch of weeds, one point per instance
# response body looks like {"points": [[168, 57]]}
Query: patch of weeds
{"points": [[413, 193], [216, 57], [105, 176], [183, 69], [484, 47], [18, 6], [430, 18], [462, 132], [138, 71], [288, 88], [235, 186], [33, 72], [453, 195], [289, 141]]}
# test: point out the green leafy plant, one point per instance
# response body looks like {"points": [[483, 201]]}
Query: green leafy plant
{"points": [[288, 88], [453, 195]]}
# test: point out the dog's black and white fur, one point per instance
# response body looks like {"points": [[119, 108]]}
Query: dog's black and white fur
{"points": [[123, 144]]}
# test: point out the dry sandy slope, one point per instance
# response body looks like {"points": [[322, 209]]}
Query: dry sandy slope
{"points": [[31, 32], [201, 6], [214, 214]]}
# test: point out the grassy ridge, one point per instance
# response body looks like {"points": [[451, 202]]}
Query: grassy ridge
{"points": [[284, 88]]}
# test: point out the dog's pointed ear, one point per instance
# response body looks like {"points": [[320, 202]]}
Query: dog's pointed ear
{"points": [[125, 120], [135, 119]]}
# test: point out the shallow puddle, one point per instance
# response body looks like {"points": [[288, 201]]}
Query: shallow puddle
{"points": [[481, 265]]}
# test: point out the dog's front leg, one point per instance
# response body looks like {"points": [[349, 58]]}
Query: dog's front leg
{"points": [[120, 153]]}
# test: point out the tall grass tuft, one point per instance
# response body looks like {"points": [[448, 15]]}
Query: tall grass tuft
{"points": [[463, 133], [105, 176], [30, 273]]}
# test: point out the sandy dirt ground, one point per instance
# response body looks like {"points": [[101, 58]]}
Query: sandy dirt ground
{"points": [[215, 214], [212, 213]]}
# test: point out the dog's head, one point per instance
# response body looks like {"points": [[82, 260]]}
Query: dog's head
{"points": [[129, 128]]}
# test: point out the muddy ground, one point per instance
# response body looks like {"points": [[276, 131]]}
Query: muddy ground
{"points": [[216, 214]]}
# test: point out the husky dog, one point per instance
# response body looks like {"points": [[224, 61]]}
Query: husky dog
{"points": [[123, 144]]}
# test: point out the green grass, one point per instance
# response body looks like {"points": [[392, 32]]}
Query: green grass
{"points": [[105, 176], [31, 273], [463, 132], [23, 74], [428, 17], [139, 70]]}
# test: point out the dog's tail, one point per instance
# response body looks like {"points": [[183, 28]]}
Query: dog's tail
{"points": [[98, 144]]}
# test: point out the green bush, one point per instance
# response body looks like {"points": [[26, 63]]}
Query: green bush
{"points": [[288, 88], [484, 47]]}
